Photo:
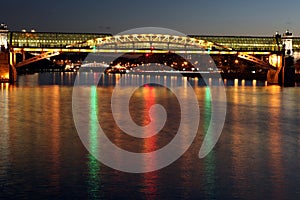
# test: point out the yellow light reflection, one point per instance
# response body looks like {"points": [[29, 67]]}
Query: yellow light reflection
{"points": [[236, 82], [55, 137], [4, 124], [275, 145], [254, 83]]}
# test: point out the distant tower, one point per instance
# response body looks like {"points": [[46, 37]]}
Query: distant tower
{"points": [[3, 36], [287, 40]]}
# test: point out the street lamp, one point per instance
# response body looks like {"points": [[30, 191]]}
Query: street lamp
{"points": [[278, 40]]}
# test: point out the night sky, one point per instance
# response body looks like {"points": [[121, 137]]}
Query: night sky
{"points": [[213, 17]]}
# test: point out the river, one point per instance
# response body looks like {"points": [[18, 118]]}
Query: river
{"points": [[42, 157]]}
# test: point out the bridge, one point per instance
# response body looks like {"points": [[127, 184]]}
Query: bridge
{"points": [[257, 49]]}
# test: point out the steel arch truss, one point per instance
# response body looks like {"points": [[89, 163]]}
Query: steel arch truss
{"points": [[151, 42], [164, 42]]}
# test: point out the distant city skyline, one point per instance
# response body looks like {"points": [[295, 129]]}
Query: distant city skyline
{"points": [[219, 17]]}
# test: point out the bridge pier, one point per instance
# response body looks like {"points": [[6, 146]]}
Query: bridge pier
{"points": [[287, 75], [13, 70], [8, 72], [4, 67], [4, 54], [273, 76], [12, 74], [284, 74]]}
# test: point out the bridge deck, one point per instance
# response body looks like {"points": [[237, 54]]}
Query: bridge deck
{"points": [[49, 40], [61, 40], [248, 43]]}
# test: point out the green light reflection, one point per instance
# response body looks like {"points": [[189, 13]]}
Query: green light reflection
{"points": [[209, 161], [93, 163]]}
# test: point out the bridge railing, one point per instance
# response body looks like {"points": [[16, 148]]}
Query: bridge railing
{"points": [[49, 40]]}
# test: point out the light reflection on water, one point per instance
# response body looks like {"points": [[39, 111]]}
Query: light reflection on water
{"points": [[54, 117], [94, 182], [256, 157], [4, 139], [149, 179]]}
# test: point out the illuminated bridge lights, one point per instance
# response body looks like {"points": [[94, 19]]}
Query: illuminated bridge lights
{"points": [[159, 41], [62, 40], [126, 50], [243, 46], [46, 40]]}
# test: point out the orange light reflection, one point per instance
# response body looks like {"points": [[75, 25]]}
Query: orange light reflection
{"points": [[150, 144]]}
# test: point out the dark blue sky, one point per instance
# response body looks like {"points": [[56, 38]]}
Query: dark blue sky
{"points": [[215, 17]]}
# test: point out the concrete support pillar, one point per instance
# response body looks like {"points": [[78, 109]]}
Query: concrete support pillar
{"points": [[284, 74], [12, 74], [273, 76], [273, 73], [287, 75], [4, 67], [12, 68]]}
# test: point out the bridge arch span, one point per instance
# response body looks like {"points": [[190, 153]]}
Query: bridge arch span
{"points": [[164, 42]]}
